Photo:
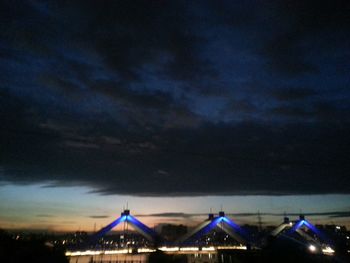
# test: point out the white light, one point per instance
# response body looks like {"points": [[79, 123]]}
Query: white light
{"points": [[312, 248], [290, 223], [145, 250], [189, 249], [97, 252], [232, 247], [83, 253], [166, 249], [328, 251], [208, 248]]}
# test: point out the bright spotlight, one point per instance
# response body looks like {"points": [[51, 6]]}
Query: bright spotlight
{"points": [[312, 248]]}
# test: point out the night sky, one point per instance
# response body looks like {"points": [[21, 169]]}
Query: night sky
{"points": [[174, 106]]}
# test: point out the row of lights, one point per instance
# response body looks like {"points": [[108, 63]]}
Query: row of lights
{"points": [[327, 250], [147, 250]]}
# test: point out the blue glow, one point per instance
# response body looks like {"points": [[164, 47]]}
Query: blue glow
{"points": [[140, 226], [311, 227], [299, 224], [316, 231], [206, 229], [109, 227], [231, 223], [235, 227]]}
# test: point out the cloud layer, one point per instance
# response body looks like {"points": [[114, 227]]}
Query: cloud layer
{"points": [[169, 98]]}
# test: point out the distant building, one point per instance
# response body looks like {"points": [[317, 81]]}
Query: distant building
{"points": [[173, 232]]}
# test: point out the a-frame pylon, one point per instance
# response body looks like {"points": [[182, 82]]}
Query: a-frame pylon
{"points": [[303, 223], [221, 221], [285, 225], [126, 217], [289, 228]]}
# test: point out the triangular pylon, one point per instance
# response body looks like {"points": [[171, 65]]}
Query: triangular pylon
{"points": [[221, 221], [302, 222], [296, 227], [126, 217]]}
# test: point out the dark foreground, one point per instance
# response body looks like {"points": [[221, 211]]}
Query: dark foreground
{"points": [[34, 249], [39, 251], [250, 257]]}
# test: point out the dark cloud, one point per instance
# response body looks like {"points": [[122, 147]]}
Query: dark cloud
{"points": [[290, 94], [286, 57], [301, 26], [166, 98], [213, 159], [98, 216], [328, 214], [340, 215], [331, 214], [169, 214], [320, 111], [44, 215], [131, 98], [241, 106], [291, 111]]}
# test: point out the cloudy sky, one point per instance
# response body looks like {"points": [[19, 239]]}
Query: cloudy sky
{"points": [[218, 101]]}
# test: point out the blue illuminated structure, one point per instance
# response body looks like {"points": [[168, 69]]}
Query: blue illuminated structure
{"points": [[299, 228], [285, 225], [126, 217], [221, 221], [303, 223]]}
